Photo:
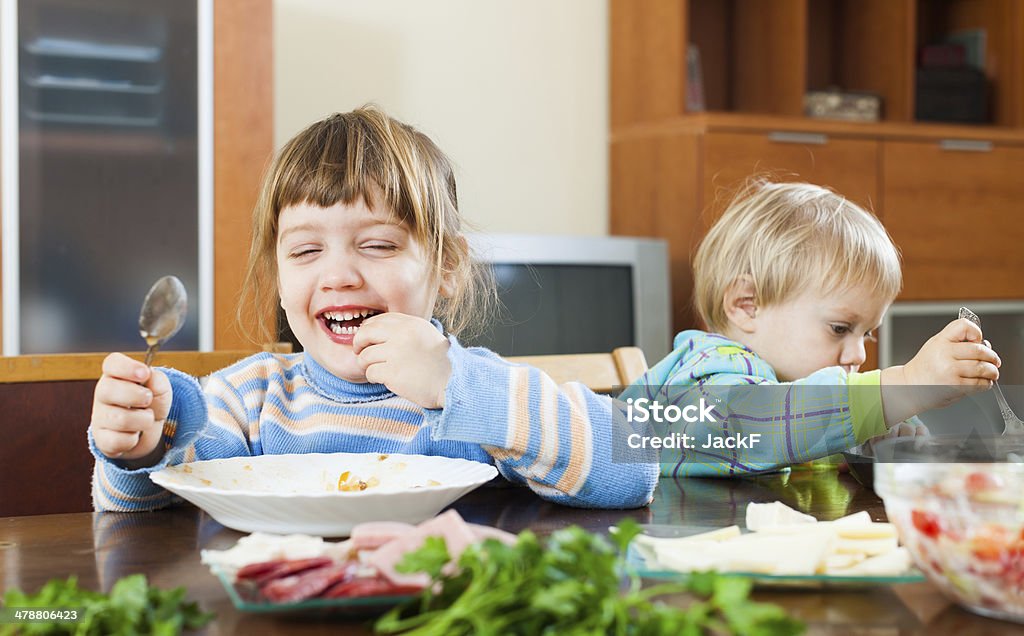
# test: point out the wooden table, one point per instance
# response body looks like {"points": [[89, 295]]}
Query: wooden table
{"points": [[165, 545]]}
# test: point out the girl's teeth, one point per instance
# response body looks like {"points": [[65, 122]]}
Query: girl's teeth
{"points": [[338, 329], [349, 315]]}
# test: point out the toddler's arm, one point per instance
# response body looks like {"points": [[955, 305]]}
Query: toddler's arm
{"points": [[825, 413]]}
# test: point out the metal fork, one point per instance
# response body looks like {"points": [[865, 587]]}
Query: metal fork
{"points": [[1014, 425]]}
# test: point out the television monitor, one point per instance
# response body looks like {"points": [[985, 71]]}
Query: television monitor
{"points": [[908, 325], [577, 294], [572, 294]]}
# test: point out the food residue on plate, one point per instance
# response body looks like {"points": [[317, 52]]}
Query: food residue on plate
{"points": [[348, 482]]}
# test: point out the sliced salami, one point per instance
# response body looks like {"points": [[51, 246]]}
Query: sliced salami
{"points": [[377, 586], [307, 584], [280, 569]]}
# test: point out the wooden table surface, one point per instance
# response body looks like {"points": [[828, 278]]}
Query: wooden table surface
{"points": [[165, 545]]}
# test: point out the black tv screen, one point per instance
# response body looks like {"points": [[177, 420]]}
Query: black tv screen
{"points": [[561, 309]]}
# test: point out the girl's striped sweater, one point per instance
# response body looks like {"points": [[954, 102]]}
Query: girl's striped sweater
{"points": [[555, 439]]}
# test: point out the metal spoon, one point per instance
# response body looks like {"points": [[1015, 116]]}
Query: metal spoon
{"points": [[1014, 425], [163, 313]]}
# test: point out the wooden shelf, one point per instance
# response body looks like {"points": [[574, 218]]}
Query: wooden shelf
{"points": [[937, 186], [726, 121], [1003, 23], [762, 57]]}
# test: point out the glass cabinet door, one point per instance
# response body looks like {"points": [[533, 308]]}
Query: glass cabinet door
{"points": [[108, 165]]}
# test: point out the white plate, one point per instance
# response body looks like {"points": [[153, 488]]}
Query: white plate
{"points": [[287, 494]]}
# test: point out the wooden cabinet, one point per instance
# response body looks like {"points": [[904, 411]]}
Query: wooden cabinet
{"points": [[243, 142], [656, 193], [955, 210], [845, 164], [242, 107], [950, 195]]}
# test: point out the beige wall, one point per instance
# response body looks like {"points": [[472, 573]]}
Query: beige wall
{"points": [[515, 91]]}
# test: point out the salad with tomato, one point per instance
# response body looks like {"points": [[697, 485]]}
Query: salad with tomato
{"points": [[964, 525]]}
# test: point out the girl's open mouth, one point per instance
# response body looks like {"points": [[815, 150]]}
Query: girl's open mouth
{"points": [[345, 322]]}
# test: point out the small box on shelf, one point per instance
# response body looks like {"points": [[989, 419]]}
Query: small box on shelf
{"points": [[951, 94], [847, 106]]}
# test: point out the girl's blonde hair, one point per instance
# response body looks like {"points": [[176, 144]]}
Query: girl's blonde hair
{"points": [[788, 238], [365, 154]]}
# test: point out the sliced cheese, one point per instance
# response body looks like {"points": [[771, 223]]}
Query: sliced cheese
{"points": [[799, 528], [839, 561], [786, 554], [869, 531], [856, 519], [646, 545], [891, 563], [870, 547], [785, 542], [769, 515], [720, 534], [693, 557]]}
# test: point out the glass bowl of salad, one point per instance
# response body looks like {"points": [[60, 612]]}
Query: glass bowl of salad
{"points": [[959, 508]]}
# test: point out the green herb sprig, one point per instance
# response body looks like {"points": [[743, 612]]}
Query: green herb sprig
{"points": [[572, 585], [132, 607]]}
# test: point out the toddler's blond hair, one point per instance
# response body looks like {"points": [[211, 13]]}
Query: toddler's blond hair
{"points": [[788, 238]]}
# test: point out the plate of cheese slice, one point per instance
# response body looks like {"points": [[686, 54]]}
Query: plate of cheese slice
{"points": [[782, 547]]}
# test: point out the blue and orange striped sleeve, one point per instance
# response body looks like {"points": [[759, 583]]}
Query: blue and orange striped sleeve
{"points": [[555, 438], [116, 488], [201, 425]]}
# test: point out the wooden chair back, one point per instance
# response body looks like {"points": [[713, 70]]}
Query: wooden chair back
{"points": [[600, 372], [63, 367], [45, 403]]}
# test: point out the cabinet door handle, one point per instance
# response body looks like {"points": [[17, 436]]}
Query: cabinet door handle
{"points": [[966, 145], [783, 137]]}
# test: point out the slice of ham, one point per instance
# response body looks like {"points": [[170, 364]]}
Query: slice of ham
{"points": [[449, 525], [307, 584], [374, 534]]}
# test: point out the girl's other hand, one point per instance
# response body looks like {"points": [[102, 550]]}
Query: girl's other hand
{"points": [[407, 354], [129, 407]]}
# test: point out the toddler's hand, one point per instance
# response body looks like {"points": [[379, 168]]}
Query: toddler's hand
{"points": [[903, 429], [407, 354], [955, 362], [956, 356], [129, 407]]}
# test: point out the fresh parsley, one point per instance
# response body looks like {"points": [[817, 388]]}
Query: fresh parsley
{"points": [[573, 584], [132, 607]]}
